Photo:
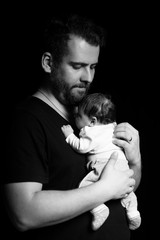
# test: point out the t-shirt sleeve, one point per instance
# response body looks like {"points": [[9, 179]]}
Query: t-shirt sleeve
{"points": [[25, 155]]}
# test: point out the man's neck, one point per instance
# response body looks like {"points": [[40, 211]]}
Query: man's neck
{"points": [[53, 102]]}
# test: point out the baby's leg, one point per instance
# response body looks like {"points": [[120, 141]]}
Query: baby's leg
{"points": [[100, 214], [130, 203]]}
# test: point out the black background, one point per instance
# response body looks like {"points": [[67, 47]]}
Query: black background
{"points": [[127, 69]]}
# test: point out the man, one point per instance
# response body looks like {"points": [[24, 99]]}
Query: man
{"points": [[43, 172]]}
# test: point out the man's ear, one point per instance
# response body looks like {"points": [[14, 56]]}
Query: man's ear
{"points": [[47, 62], [93, 121]]}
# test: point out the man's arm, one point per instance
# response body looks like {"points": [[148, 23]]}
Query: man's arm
{"points": [[127, 137], [31, 207]]}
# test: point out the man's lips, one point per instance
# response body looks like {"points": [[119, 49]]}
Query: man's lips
{"points": [[83, 86]]}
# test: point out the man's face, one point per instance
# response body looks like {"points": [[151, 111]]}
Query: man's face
{"points": [[73, 77]]}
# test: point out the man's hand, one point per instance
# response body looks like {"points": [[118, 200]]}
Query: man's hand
{"points": [[117, 183], [127, 137]]}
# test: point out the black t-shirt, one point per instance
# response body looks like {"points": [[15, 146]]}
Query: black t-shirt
{"points": [[37, 152]]}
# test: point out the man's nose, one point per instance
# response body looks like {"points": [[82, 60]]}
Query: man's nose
{"points": [[87, 75]]}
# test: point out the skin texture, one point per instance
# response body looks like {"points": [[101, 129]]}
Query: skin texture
{"points": [[30, 206]]}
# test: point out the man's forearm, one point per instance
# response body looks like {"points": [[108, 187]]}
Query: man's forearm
{"points": [[137, 168], [30, 207]]}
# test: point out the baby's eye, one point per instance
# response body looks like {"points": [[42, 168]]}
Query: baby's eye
{"points": [[77, 116]]}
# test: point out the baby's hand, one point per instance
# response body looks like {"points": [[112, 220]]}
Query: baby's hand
{"points": [[67, 130]]}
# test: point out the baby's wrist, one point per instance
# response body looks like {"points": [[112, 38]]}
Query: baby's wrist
{"points": [[68, 134]]}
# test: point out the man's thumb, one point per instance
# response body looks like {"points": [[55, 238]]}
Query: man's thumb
{"points": [[113, 158]]}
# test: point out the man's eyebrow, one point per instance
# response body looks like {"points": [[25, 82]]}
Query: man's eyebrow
{"points": [[82, 63]]}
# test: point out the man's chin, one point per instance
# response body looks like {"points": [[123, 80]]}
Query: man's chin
{"points": [[80, 91], [75, 99]]}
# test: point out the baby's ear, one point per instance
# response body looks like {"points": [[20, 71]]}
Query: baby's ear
{"points": [[93, 121]]}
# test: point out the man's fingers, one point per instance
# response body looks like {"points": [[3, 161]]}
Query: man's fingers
{"points": [[113, 158]]}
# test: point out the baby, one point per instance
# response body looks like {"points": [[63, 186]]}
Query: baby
{"points": [[95, 118]]}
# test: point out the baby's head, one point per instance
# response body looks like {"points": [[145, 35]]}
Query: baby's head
{"points": [[95, 109]]}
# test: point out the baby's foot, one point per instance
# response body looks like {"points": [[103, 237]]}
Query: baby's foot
{"points": [[134, 222], [99, 217]]}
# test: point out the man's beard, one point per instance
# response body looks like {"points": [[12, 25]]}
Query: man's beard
{"points": [[65, 94], [75, 98]]}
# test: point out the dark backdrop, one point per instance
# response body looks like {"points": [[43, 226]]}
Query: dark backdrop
{"points": [[125, 70]]}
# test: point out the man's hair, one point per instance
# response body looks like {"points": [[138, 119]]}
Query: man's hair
{"points": [[59, 30], [98, 105]]}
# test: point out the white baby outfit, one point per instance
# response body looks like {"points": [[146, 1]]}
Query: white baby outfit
{"points": [[96, 141]]}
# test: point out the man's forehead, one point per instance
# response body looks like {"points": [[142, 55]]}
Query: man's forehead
{"points": [[82, 51]]}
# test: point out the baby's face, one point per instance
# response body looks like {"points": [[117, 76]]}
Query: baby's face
{"points": [[81, 120]]}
